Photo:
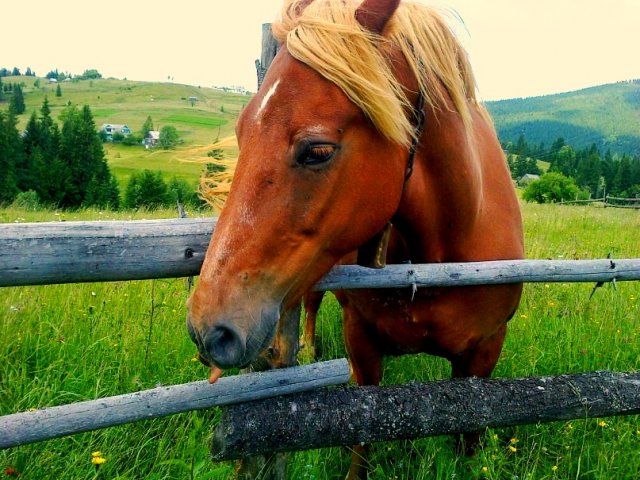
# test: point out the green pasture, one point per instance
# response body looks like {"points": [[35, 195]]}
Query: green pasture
{"points": [[69, 343], [213, 116]]}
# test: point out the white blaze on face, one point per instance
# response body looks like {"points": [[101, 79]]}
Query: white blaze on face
{"points": [[267, 97]]}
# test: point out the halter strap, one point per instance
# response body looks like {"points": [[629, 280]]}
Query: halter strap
{"points": [[419, 119]]}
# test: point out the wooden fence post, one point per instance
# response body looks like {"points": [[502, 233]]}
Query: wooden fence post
{"points": [[269, 51]]}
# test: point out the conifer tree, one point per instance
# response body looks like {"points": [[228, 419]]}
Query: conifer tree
{"points": [[147, 126], [17, 100], [90, 180], [10, 150]]}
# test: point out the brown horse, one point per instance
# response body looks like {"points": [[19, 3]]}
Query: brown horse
{"points": [[366, 117]]}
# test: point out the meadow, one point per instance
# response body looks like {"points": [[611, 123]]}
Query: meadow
{"points": [[66, 343], [212, 116]]}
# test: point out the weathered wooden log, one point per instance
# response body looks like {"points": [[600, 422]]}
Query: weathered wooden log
{"points": [[354, 415], [69, 252], [480, 273], [54, 422]]}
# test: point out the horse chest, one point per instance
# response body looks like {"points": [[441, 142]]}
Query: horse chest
{"points": [[400, 322]]}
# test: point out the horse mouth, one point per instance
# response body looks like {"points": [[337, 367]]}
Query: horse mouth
{"points": [[226, 345]]}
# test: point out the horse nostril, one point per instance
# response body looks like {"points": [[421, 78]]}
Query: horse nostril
{"points": [[225, 346]]}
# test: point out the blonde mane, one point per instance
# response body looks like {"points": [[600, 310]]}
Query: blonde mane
{"points": [[327, 37]]}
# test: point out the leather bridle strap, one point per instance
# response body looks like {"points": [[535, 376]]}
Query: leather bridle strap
{"points": [[373, 253], [419, 119]]}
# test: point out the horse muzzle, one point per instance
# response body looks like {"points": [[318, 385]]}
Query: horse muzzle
{"points": [[233, 344]]}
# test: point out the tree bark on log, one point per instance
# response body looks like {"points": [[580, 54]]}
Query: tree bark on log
{"points": [[355, 415]]}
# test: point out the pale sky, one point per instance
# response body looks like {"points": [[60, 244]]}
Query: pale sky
{"points": [[518, 48]]}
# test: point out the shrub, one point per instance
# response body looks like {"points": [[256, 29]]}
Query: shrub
{"points": [[146, 189], [179, 190], [132, 139], [117, 137], [28, 200], [552, 187]]}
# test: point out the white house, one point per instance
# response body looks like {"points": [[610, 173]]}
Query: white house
{"points": [[151, 139]]}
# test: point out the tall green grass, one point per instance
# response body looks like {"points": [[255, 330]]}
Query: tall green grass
{"points": [[68, 343]]}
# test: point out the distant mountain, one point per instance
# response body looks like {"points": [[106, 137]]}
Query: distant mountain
{"points": [[607, 115]]}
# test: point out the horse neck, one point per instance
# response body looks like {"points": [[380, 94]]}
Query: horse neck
{"points": [[442, 199]]}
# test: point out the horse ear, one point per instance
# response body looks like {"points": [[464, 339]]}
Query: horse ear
{"points": [[300, 6], [374, 14]]}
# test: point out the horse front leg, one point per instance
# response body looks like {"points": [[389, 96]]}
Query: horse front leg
{"points": [[366, 364], [477, 362], [311, 302]]}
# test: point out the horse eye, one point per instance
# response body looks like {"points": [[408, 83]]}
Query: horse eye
{"points": [[317, 154]]}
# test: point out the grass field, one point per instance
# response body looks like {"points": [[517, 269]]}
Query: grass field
{"points": [[74, 342]]}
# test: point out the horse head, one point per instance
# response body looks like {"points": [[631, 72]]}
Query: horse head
{"points": [[314, 181]]}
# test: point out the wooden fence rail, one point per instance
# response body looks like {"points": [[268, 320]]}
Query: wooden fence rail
{"points": [[54, 422], [70, 252], [46, 253], [608, 201]]}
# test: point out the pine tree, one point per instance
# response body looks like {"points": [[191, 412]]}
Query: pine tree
{"points": [[90, 180], [58, 91], [622, 181], [10, 149], [17, 100], [521, 147], [147, 126], [31, 141]]}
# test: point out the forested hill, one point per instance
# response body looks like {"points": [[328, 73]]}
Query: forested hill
{"points": [[607, 115]]}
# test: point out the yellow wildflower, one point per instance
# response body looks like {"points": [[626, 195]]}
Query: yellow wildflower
{"points": [[602, 423], [554, 468], [98, 460], [513, 441], [513, 449], [485, 469], [194, 358], [96, 454]]}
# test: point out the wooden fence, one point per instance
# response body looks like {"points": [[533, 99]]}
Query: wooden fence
{"points": [[65, 252], [607, 201]]}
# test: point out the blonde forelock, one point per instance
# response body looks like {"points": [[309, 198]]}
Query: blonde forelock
{"points": [[327, 37]]}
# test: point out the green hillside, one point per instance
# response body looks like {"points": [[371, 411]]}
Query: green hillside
{"points": [[607, 115], [129, 102]]}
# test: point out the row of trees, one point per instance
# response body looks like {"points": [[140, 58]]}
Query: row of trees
{"points": [[15, 72], [593, 173], [65, 167]]}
